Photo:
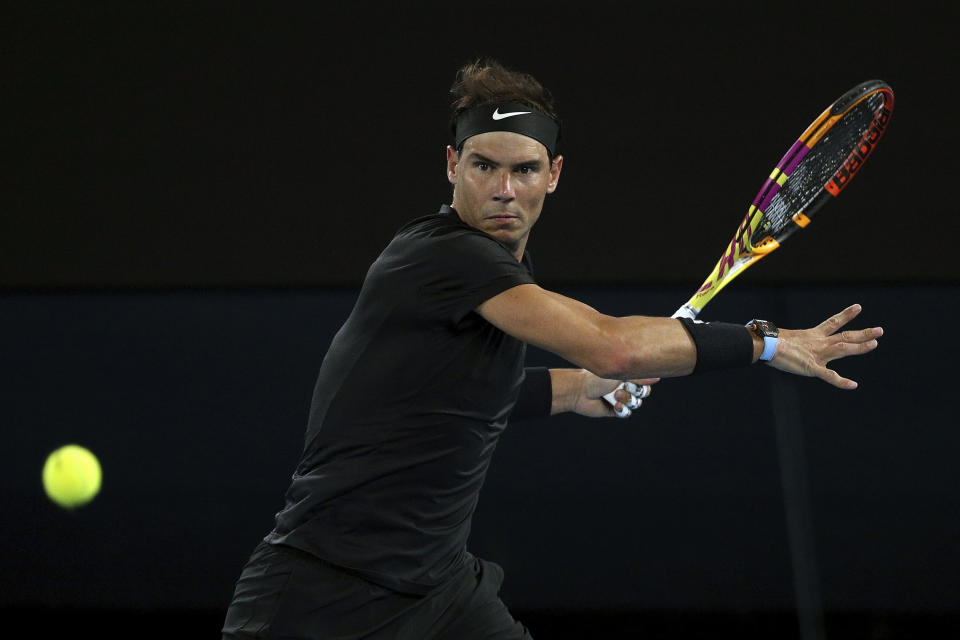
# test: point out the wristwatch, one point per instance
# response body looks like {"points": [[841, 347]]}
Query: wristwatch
{"points": [[770, 334]]}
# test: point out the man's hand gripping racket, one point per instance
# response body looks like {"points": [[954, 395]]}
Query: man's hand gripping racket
{"points": [[819, 165]]}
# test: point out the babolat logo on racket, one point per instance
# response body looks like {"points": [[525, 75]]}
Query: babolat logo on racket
{"points": [[860, 153]]}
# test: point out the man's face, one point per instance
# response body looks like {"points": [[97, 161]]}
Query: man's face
{"points": [[500, 181]]}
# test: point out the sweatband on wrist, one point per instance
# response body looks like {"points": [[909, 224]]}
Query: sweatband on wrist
{"points": [[507, 116], [720, 345], [536, 395]]}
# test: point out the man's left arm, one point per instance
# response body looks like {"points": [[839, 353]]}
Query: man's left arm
{"points": [[546, 392]]}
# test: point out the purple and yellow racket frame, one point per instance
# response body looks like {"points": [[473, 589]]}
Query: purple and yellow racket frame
{"points": [[750, 243]]}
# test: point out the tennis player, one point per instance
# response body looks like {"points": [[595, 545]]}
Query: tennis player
{"points": [[427, 371]]}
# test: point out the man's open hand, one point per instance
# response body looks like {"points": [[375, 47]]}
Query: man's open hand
{"points": [[807, 352]]}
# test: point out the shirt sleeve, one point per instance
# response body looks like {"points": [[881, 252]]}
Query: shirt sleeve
{"points": [[464, 269]]}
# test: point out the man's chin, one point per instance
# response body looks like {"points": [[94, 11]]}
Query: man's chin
{"points": [[503, 235], [509, 237]]}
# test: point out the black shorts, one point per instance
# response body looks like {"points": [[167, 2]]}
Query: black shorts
{"points": [[285, 593]]}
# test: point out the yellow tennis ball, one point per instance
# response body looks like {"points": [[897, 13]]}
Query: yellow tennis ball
{"points": [[71, 476]]}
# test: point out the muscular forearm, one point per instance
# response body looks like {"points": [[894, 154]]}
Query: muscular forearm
{"points": [[633, 346], [651, 347]]}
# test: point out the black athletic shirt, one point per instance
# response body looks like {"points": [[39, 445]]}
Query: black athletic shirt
{"points": [[410, 400]]}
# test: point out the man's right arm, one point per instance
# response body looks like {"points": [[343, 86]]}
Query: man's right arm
{"points": [[610, 347], [648, 347]]}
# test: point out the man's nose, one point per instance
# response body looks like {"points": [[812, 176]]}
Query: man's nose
{"points": [[505, 191]]}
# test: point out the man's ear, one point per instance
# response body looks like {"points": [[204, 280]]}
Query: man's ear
{"points": [[555, 167], [453, 159]]}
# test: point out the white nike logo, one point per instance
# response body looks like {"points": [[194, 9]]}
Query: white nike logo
{"points": [[500, 116]]}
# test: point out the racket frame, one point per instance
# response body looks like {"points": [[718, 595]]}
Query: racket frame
{"points": [[744, 251], [749, 244]]}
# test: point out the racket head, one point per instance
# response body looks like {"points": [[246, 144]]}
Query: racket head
{"points": [[813, 171]]}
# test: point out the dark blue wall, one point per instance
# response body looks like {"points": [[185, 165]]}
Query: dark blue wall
{"points": [[195, 404]]}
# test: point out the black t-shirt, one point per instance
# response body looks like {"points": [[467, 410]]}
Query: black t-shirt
{"points": [[410, 400]]}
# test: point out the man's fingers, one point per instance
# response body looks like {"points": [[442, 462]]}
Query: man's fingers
{"points": [[863, 335], [833, 323], [637, 388], [843, 349], [631, 398], [834, 378], [631, 393], [853, 343]]}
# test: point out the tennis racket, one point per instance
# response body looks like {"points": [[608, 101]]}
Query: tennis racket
{"points": [[814, 171]]}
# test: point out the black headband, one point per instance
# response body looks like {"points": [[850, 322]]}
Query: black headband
{"points": [[508, 116]]}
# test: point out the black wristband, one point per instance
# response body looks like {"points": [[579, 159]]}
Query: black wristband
{"points": [[720, 345], [536, 395]]}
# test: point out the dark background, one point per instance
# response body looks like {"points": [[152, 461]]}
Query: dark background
{"points": [[191, 195]]}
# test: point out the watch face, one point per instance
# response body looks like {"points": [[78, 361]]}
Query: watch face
{"points": [[766, 328]]}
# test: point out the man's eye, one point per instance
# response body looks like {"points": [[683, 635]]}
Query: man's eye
{"points": [[525, 170], [483, 166]]}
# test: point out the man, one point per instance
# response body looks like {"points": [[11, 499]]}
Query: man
{"points": [[421, 379]]}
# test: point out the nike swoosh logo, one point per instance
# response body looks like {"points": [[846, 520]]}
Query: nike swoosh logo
{"points": [[500, 116]]}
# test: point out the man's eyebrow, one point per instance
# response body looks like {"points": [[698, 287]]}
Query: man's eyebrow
{"points": [[479, 157], [535, 163]]}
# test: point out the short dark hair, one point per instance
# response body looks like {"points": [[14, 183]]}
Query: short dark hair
{"points": [[485, 81]]}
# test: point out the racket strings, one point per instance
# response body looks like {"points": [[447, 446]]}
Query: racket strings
{"points": [[825, 158]]}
